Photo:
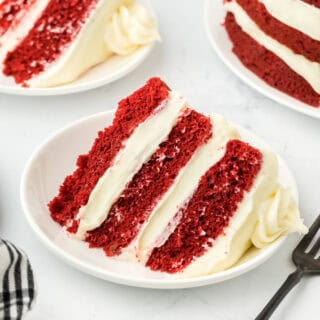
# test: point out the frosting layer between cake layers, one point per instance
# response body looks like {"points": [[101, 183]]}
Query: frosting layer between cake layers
{"points": [[165, 220], [138, 148], [132, 111], [151, 186], [296, 14], [309, 70]]}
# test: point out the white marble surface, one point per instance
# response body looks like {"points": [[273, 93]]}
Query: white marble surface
{"points": [[186, 61]]}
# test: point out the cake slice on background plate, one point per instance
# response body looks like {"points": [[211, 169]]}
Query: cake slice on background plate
{"points": [[173, 189], [280, 42], [45, 43]]}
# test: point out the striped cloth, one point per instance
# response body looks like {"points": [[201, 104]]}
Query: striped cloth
{"points": [[17, 290]]}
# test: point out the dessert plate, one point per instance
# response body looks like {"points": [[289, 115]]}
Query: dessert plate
{"points": [[111, 70], [214, 14], [46, 170]]}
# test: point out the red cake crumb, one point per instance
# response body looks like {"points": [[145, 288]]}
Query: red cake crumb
{"points": [[11, 12], [315, 3], [149, 185], [297, 41], [58, 25], [75, 190], [210, 209], [268, 66]]}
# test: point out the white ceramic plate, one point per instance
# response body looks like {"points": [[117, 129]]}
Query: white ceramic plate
{"points": [[214, 14], [111, 70], [47, 169]]}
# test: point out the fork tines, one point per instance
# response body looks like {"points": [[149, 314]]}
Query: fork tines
{"points": [[307, 239]]}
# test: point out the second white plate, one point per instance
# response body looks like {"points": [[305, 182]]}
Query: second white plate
{"points": [[214, 14]]}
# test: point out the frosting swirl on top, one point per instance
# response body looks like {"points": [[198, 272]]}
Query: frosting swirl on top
{"points": [[130, 27], [278, 215]]}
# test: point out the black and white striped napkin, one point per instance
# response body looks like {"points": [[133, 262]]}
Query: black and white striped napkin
{"points": [[17, 290]]}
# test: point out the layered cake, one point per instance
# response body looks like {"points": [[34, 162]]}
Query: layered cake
{"points": [[173, 189], [45, 43], [280, 42]]}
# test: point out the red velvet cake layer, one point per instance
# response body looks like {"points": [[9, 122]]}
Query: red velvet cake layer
{"points": [[315, 3], [268, 66], [297, 41], [11, 12], [149, 185], [210, 209], [76, 188], [58, 25]]}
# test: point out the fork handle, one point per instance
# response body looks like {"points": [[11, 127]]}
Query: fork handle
{"points": [[290, 282]]}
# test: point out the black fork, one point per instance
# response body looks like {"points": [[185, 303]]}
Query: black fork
{"points": [[306, 263]]}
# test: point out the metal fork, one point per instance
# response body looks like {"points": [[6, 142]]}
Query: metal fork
{"points": [[306, 263]]}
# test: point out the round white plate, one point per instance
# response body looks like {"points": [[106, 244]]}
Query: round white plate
{"points": [[47, 169], [214, 14], [111, 70]]}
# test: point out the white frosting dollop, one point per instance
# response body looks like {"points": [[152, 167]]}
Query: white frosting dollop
{"points": [[278, 215], [129, 28]]}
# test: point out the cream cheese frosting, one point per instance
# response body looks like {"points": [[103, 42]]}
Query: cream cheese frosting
{"points": [[138, 148], [309, 70], [296, 14], [278, 215], [129, 28], [181, 189], [164, 220]]}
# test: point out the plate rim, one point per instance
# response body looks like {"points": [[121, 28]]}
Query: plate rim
{"points": [[163, 283], [277, 95]]}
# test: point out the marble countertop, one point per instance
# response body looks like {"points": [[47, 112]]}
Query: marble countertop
{"points": [[187, 63]]}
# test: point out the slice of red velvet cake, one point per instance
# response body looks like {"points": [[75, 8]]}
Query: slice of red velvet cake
{"points": [[46, 43], [173, 189], [282, 49]]}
